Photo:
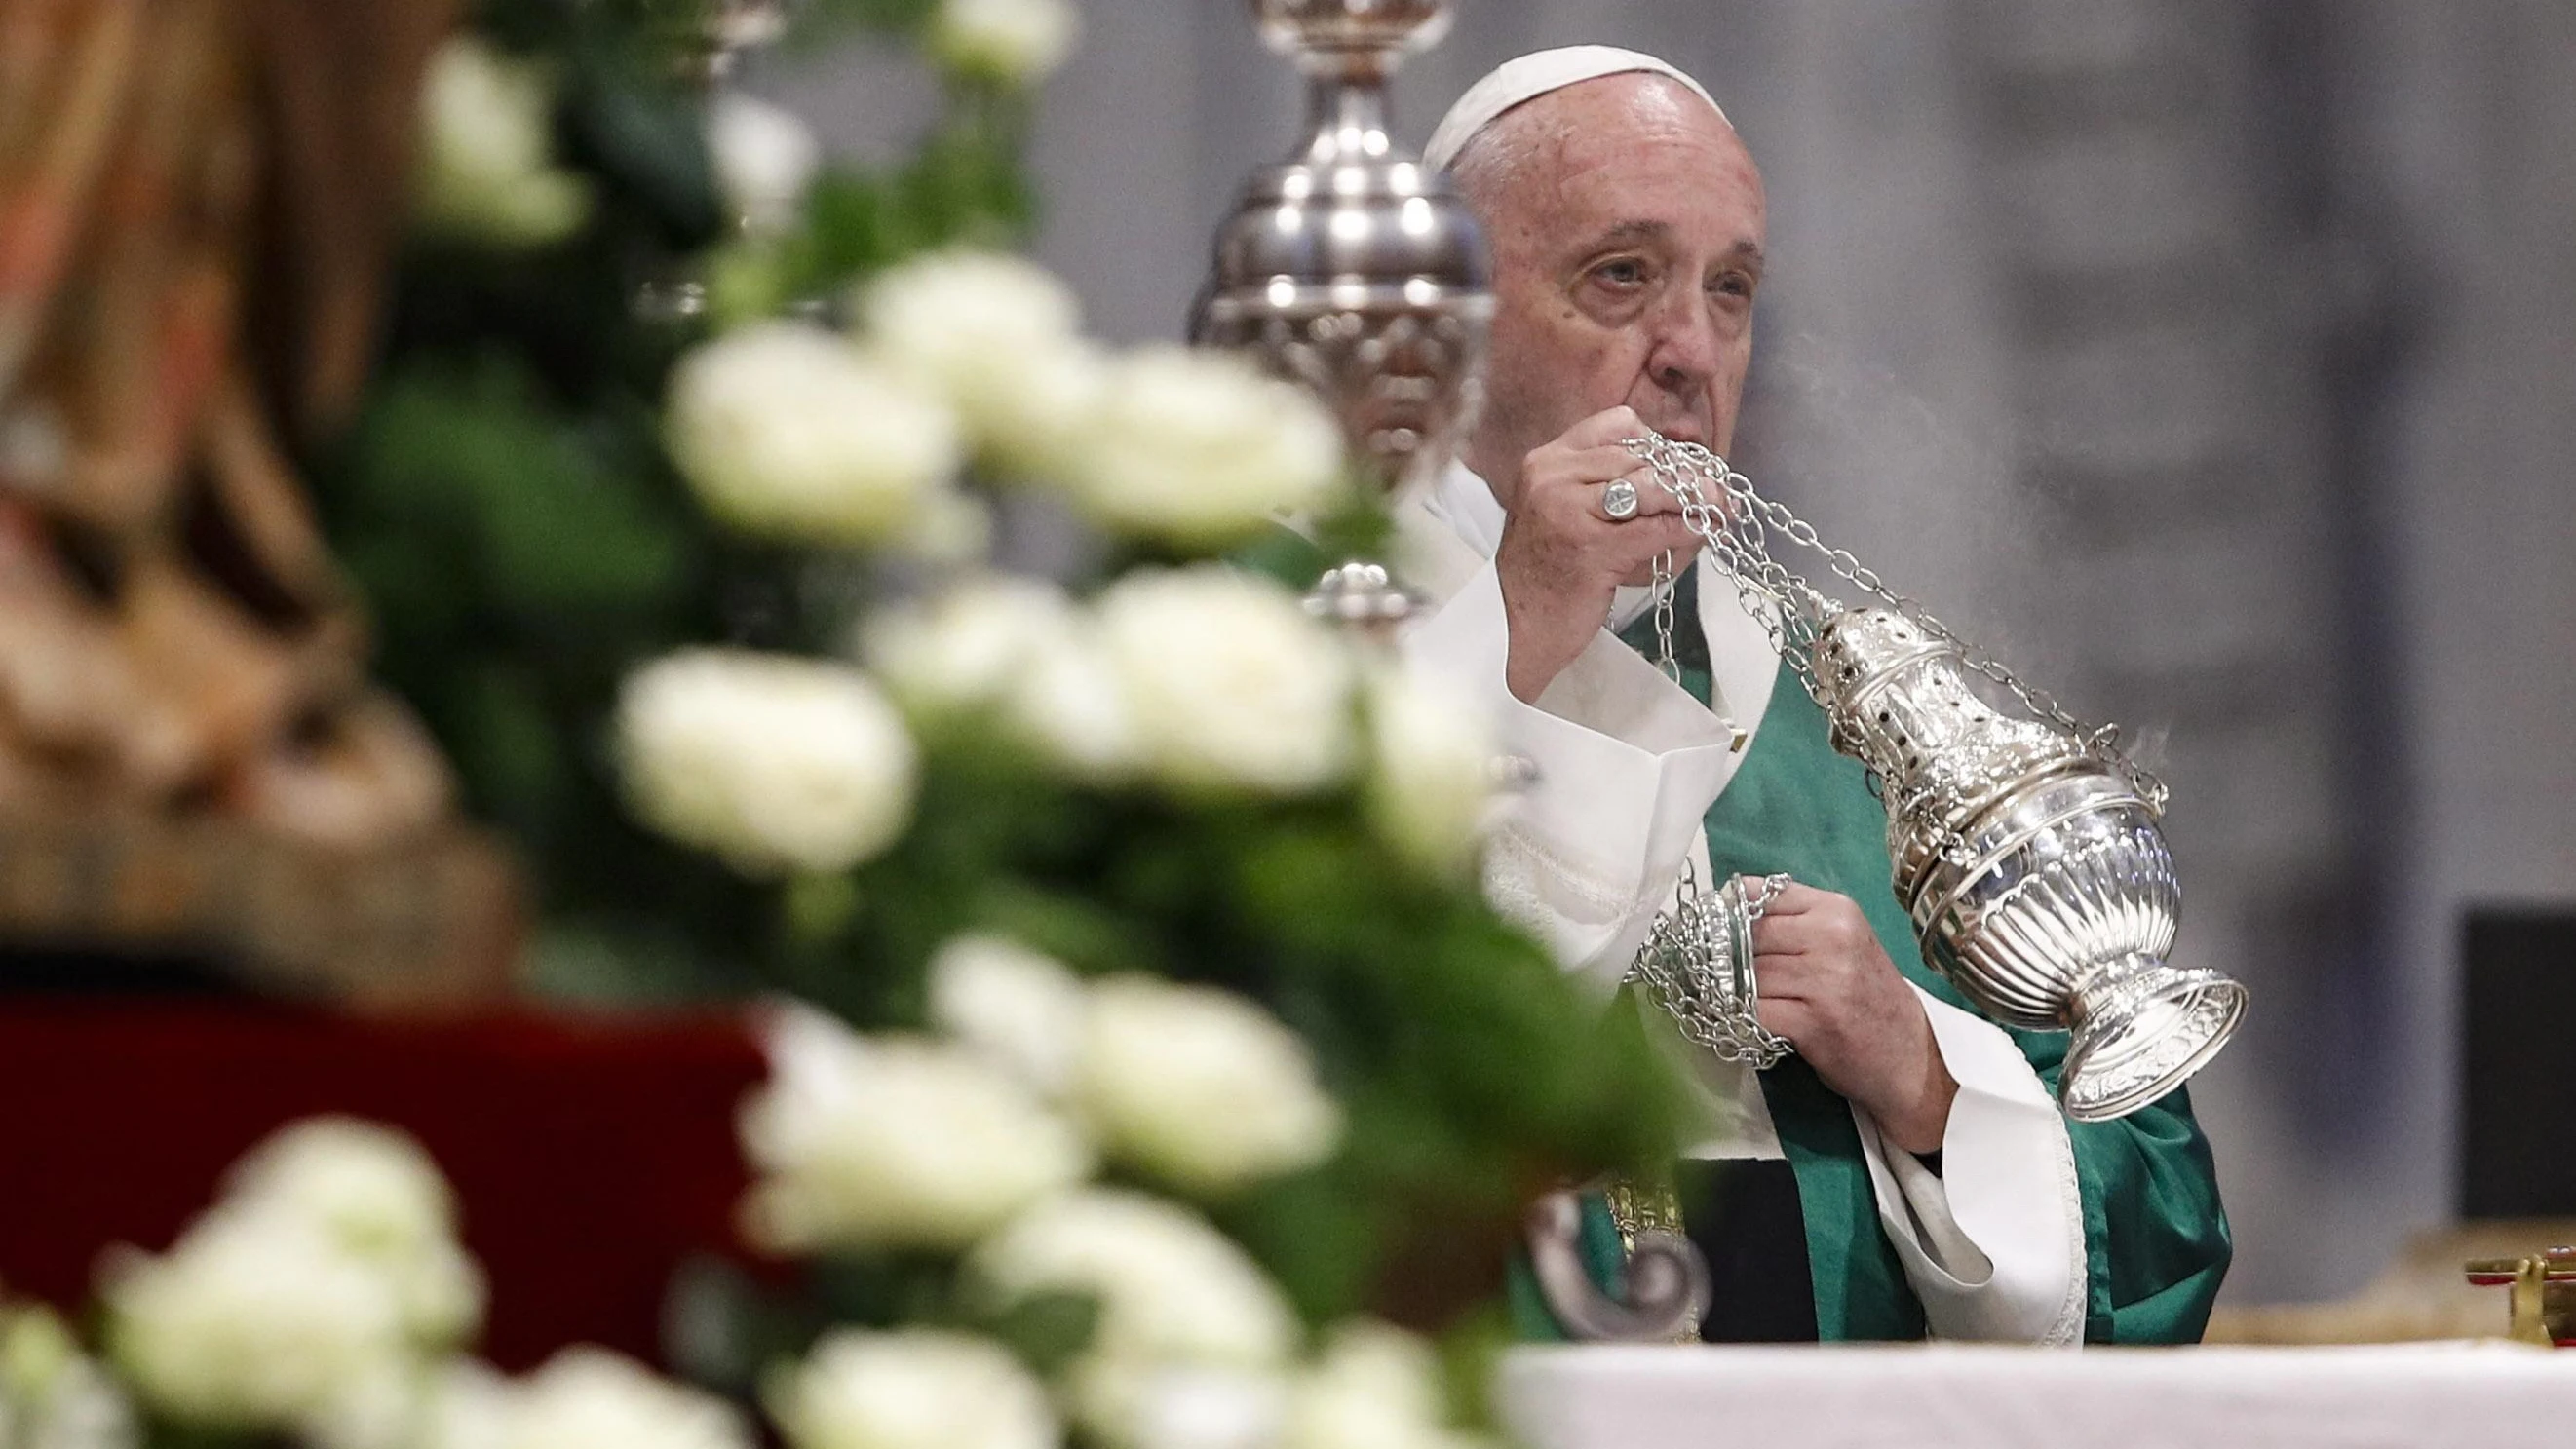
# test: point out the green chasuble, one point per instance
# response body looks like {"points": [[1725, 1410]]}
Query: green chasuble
{"points": [[2156, 1239]]}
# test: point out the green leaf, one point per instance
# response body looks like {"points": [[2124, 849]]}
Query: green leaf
{"points": [[1047, 1330], [825, 19], [647, 138]]}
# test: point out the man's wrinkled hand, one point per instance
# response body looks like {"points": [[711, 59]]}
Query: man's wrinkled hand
{"points": [[1561, 558], [1828, 987]]}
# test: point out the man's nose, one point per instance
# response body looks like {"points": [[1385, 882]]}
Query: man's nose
{"points": [[1684, 353]]}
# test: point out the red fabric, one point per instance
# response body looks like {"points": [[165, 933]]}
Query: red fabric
{"points": [[591, 1155]]}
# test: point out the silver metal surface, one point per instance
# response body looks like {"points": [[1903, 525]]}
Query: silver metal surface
{"points": [[1697, 964], [1364, 597], [1663, 1293], [2026, 846], [1619, 500], [1349, 267]]}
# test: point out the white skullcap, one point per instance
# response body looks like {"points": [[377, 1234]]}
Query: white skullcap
{"points": [[1534, 75]]}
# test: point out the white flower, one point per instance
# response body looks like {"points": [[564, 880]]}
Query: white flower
{"points": [[253, 1321], [996, 336], [1196, 448], [894, 1143], [1198, 1087], [589, 1398], [370, 1186], [775, 763], [1017, 645], [963, 649], [486, 151], [1020, 1008], [1203, 1408], [51, 1395], [1431, 768], [1174, 1293], [1376, 1387], [384, 1408], [378, 1196], [764, 158], [1230, 683], [463, 1405], [1016, 41], [1044, 427], [915, 1389], [787, 431], [950, 530], [1071, 703]]}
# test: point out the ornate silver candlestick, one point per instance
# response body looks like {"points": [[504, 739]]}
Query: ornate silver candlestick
{"points": [[1356, 271], [2026, 846], [1350, 267]]}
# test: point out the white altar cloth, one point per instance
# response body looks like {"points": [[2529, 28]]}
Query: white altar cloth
{"points": [[2400, 1396]]}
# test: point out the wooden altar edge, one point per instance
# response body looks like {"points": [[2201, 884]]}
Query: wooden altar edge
{"points": [[429, 921], [1931, 1396]]}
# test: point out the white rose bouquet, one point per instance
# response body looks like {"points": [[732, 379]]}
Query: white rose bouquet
{"points": [[768, 505], [893, 1143], [774, 763]]}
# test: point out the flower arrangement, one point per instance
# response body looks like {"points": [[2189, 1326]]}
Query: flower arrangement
{"points": [[1159, 1054]]}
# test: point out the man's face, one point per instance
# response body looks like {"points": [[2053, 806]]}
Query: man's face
{"points": [[1626, 255]]}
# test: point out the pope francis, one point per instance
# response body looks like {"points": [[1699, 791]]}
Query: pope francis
{"points": [[1907, 1171]]}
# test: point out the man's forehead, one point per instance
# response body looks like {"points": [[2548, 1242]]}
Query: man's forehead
{"points": [[1623, 123], [1619, 151]]}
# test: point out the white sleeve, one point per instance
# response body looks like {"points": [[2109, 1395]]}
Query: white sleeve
{"points": [[1994, 1244], [1628, 764]]}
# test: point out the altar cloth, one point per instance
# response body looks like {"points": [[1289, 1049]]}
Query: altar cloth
{"points": [[2397, 1396]]}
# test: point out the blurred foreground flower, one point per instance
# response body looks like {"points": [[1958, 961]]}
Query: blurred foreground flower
{"points": [[251, 1322], [914, 1389], [776, 763], [1019, 647], [1018, 42], [590, 1398], [1174, 1294], [487, 170], [867, 1144], [996, 336], [1200, 1088], [1431, 776], [377, 1196], [965, 648], [788, 432], [765, 158], [52, 1396], [1376, 1386], [1231, 684], [1196, 448], [1019, 1008]]}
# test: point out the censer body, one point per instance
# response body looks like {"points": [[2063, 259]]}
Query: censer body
{"points": [[2028, 852], [2035, 870]]}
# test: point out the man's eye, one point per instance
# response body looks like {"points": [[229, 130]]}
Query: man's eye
{"points": [[1623, 273], [1733, 284]]}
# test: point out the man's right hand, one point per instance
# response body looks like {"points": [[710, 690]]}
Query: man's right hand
{"points": [[1561, 559]]}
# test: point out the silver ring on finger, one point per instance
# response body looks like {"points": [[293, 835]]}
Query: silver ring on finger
{"points": [[1619, 501]]}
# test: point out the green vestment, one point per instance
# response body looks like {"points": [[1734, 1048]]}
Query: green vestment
{"points": [[2156, 1239]]}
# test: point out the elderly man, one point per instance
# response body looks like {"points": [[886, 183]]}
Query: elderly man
{"points": [[1906, 1171]]}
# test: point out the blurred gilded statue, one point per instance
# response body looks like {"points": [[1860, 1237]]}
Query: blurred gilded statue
{"points": [[201, 199]]}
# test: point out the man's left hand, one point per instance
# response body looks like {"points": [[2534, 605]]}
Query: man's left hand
{"points": [[1828, 987]]}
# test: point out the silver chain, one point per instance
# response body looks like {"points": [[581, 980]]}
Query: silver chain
{"points": [[1736, 532], [1697, 962], [1665, 659]]}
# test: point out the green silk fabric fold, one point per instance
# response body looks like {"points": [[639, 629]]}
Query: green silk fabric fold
{"points": [[2156, 1237]]}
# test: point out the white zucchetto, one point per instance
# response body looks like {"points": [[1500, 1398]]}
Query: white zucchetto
{"points": [[1528, 77]]}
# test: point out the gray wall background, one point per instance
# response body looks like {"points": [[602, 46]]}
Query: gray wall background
{"points": [[2215, 362]]}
